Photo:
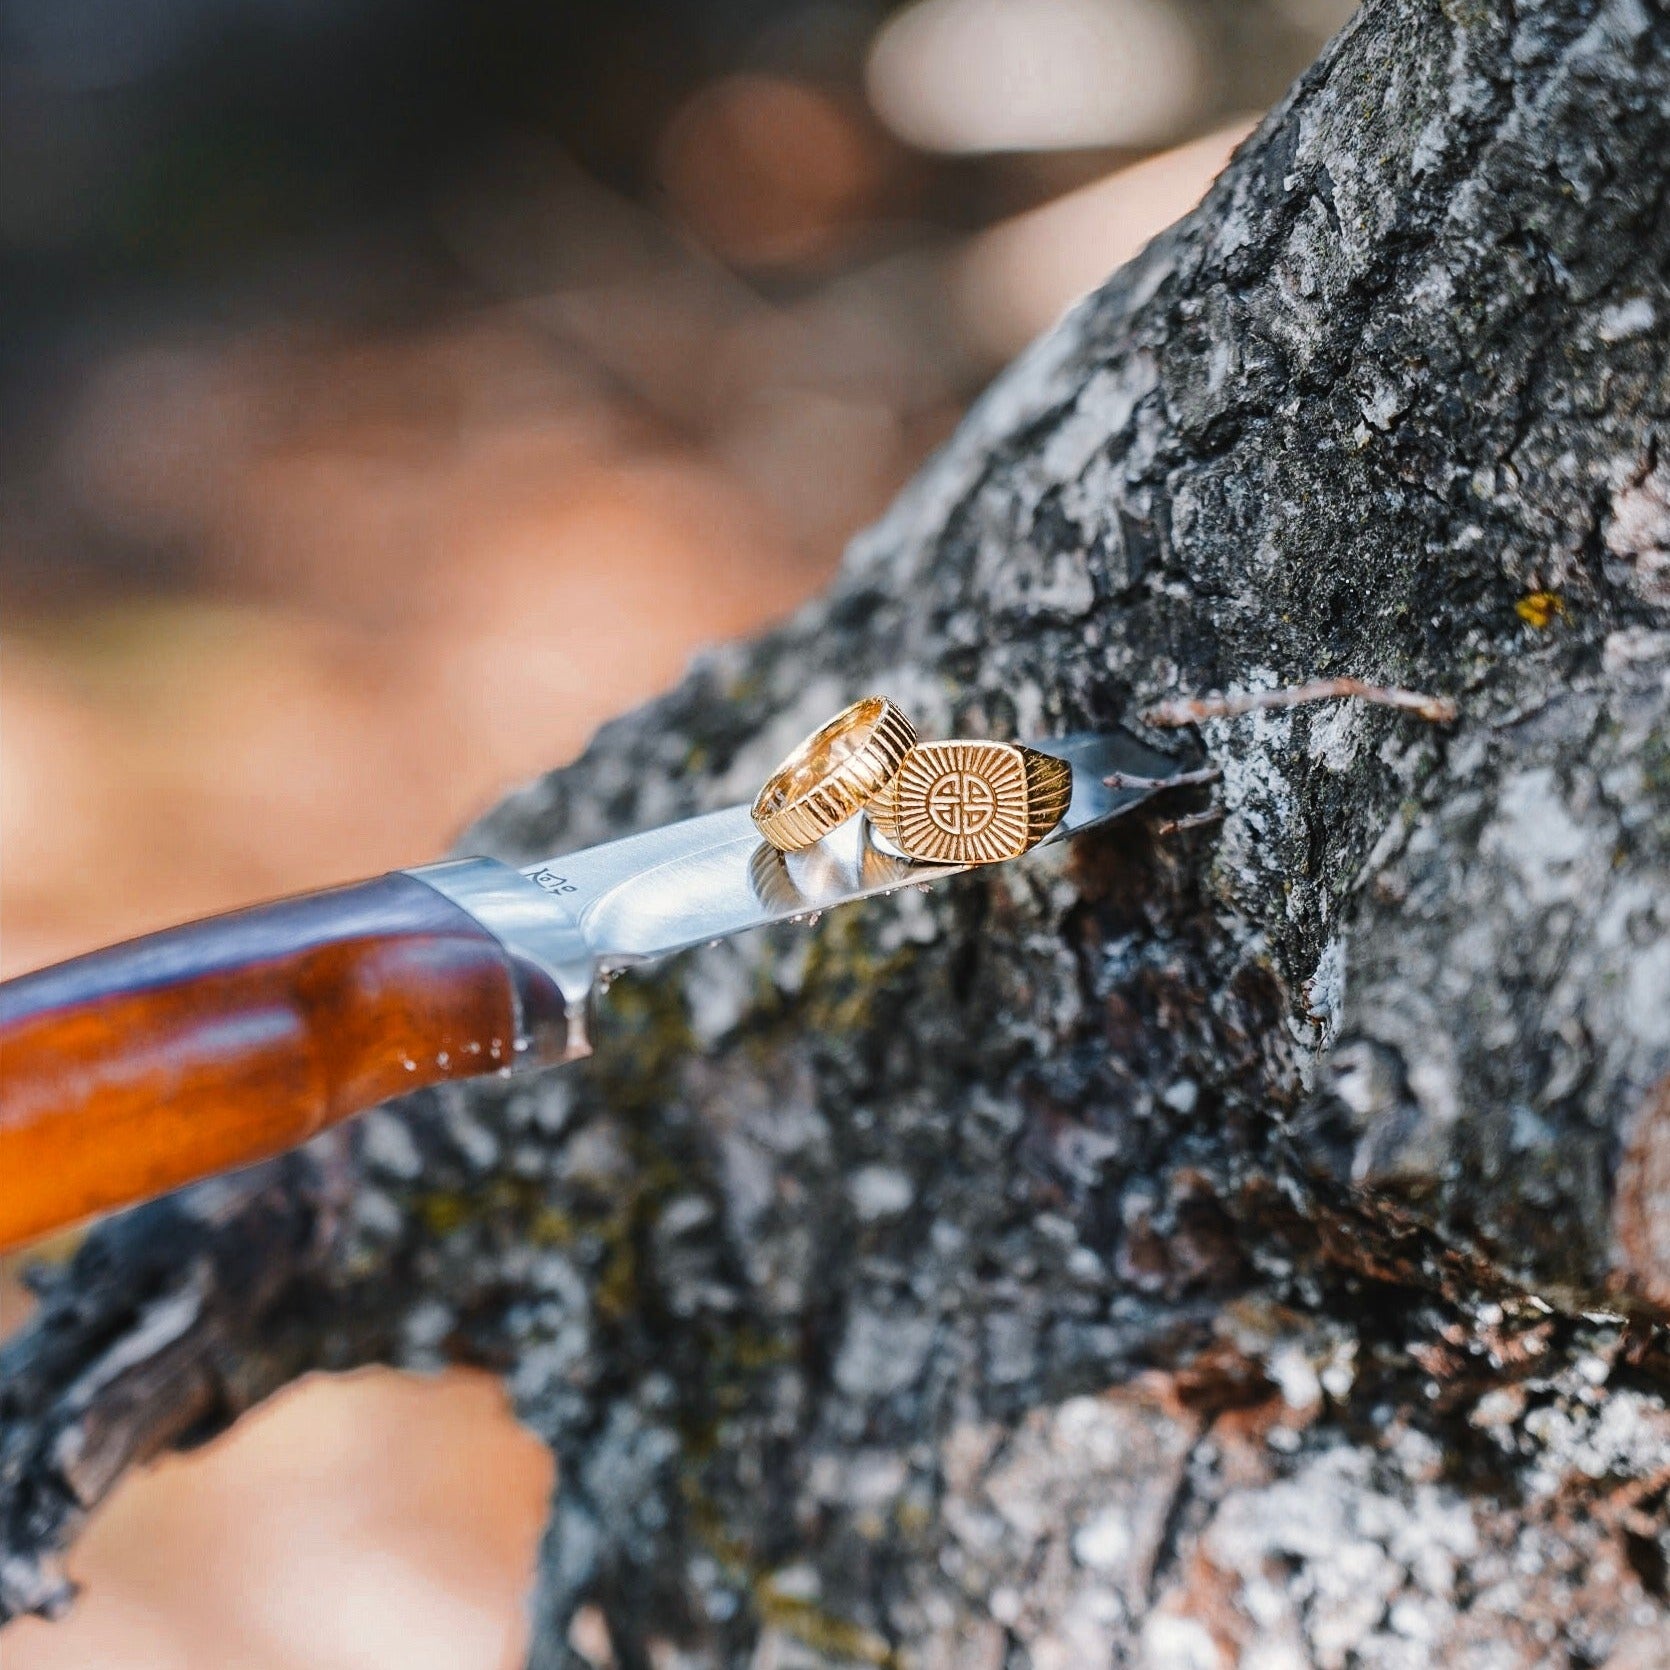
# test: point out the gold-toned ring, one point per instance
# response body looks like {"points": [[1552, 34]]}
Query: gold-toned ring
{"points": [[833, 774], [972, 802]]}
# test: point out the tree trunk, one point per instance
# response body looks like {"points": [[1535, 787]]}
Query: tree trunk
{"points": [[1254, 1234]]}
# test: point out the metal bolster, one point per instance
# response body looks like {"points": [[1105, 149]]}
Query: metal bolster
{"points": [[552, 966]]}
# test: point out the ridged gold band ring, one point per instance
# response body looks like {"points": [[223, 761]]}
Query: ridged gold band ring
{"points": [[972, 802], [833, 774]]}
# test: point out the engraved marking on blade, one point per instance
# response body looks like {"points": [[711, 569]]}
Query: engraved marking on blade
{"points": [[553, 883]]}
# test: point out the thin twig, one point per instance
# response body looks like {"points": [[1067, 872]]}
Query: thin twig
{"points": [[1194, 820], [1182, 780], [1438, 710]]}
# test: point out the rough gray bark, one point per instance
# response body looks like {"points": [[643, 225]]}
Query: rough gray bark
{"points": [[1254, 1239]]}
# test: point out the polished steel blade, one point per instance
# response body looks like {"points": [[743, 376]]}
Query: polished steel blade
{"points": [[649, 895]]}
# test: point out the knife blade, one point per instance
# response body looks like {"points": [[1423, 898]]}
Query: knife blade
{"points": [[134, 1069], [667, 890]]}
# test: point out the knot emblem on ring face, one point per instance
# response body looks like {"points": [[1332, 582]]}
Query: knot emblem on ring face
{"points": [[961, 804]]}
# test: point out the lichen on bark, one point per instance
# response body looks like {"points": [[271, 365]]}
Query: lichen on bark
{"points": [[1171, 1247]]}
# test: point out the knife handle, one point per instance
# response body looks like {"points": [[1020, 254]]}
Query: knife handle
{"points": [[132, 1070]]}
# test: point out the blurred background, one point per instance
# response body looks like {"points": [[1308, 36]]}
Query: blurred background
{"points": [[392, 390]]}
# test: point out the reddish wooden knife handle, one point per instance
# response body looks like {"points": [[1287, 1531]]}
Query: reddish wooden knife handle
{"points": [[130, 1071]]}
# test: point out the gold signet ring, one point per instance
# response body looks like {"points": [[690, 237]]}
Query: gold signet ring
{"points": [[972, 802], [834, 773]]}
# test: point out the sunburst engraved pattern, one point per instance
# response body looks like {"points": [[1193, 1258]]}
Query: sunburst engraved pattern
{"points": [[962, 802], [1049, 792]]}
